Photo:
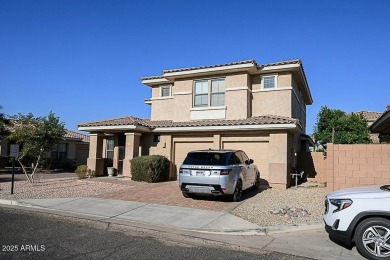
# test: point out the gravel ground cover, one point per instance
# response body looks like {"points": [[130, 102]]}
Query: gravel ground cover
{"points": [[56, 188], [283, 207]]}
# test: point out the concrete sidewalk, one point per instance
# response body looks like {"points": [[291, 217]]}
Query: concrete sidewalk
{"points": [[310, 242], [154, 214]]}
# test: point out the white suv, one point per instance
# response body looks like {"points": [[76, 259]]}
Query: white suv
{"points": [[218, 172], [361, 216]]}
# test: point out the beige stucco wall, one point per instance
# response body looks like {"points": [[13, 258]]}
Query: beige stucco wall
{"points": [[274, 102], [95, 160], [298, 105], [285, 100], [278, 159], [236, 102], [279, 101], [279, 168], [179, 107]]}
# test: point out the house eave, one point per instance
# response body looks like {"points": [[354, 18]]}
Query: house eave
{"points": [[151, 82], [131, 128], [381, 123], [288, 127]]}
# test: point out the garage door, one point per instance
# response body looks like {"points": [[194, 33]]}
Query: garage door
{"points": [[182, 148], [258, 151]]}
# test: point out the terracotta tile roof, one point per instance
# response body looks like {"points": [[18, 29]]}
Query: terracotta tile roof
{"points": [[211, 66], [285, 62], [370, 116], [127, 120], [258, 120], [152, 77], [76, 136]]}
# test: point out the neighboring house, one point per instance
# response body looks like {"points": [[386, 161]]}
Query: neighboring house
{"points": [[371, 117], [382, 126], [74, 147], [259, 108]]}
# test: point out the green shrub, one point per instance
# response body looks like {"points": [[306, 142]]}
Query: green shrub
{"points": [[152, 168], [81, 171]]}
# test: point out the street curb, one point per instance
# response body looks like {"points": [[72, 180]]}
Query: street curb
{"points": [[294, 227], [9, 202]]}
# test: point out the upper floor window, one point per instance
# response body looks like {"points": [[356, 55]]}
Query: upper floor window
{"points": [[269, 82], [209, 92], [165, 91]]}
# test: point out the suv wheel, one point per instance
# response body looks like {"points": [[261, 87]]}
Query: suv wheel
{"points": [[237, 192], [372, 238], [186, 195]]}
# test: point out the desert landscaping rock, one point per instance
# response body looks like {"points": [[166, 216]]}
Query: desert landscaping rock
{"points": [[280, 207], [56, 188]]}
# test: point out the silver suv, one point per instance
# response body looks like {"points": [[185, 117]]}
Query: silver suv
{"points": [[218, 172]]}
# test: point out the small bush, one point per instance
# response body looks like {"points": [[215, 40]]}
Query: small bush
{"points": [[81, 171], [152, 168]]}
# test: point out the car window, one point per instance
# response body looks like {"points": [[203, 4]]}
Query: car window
{"points": [[205, 158], [234, 159], [244, 156]]}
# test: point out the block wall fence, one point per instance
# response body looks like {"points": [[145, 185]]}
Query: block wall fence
{"points": [[345, 166]]}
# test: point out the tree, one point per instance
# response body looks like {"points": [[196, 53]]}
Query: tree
{"points": [[349, 128], [3, 123], [36, 137]]}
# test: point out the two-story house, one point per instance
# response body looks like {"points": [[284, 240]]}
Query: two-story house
{"points": [[258, 108]]}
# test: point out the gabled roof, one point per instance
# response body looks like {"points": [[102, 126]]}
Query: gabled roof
{"points": [[70, 135], [134, 121]]}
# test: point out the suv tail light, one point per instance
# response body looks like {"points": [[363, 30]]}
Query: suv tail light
{"points": [[225, 172]]}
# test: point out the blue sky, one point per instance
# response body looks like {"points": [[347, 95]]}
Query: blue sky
{"points": [[83, 60]]}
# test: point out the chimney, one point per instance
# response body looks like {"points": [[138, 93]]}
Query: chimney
{"points": [[388, 108]]}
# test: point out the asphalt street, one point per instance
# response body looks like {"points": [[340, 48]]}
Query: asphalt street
{"points": [[34, 235]]}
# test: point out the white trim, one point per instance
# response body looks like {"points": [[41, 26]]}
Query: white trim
{"points": [[227, 128], [135, 134], [154, 81], [237, 88], [214, 69], [182, 93], [279, 67], [113, 127], [271, 89], [161, 98], [208, 108], [275, 76]]}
